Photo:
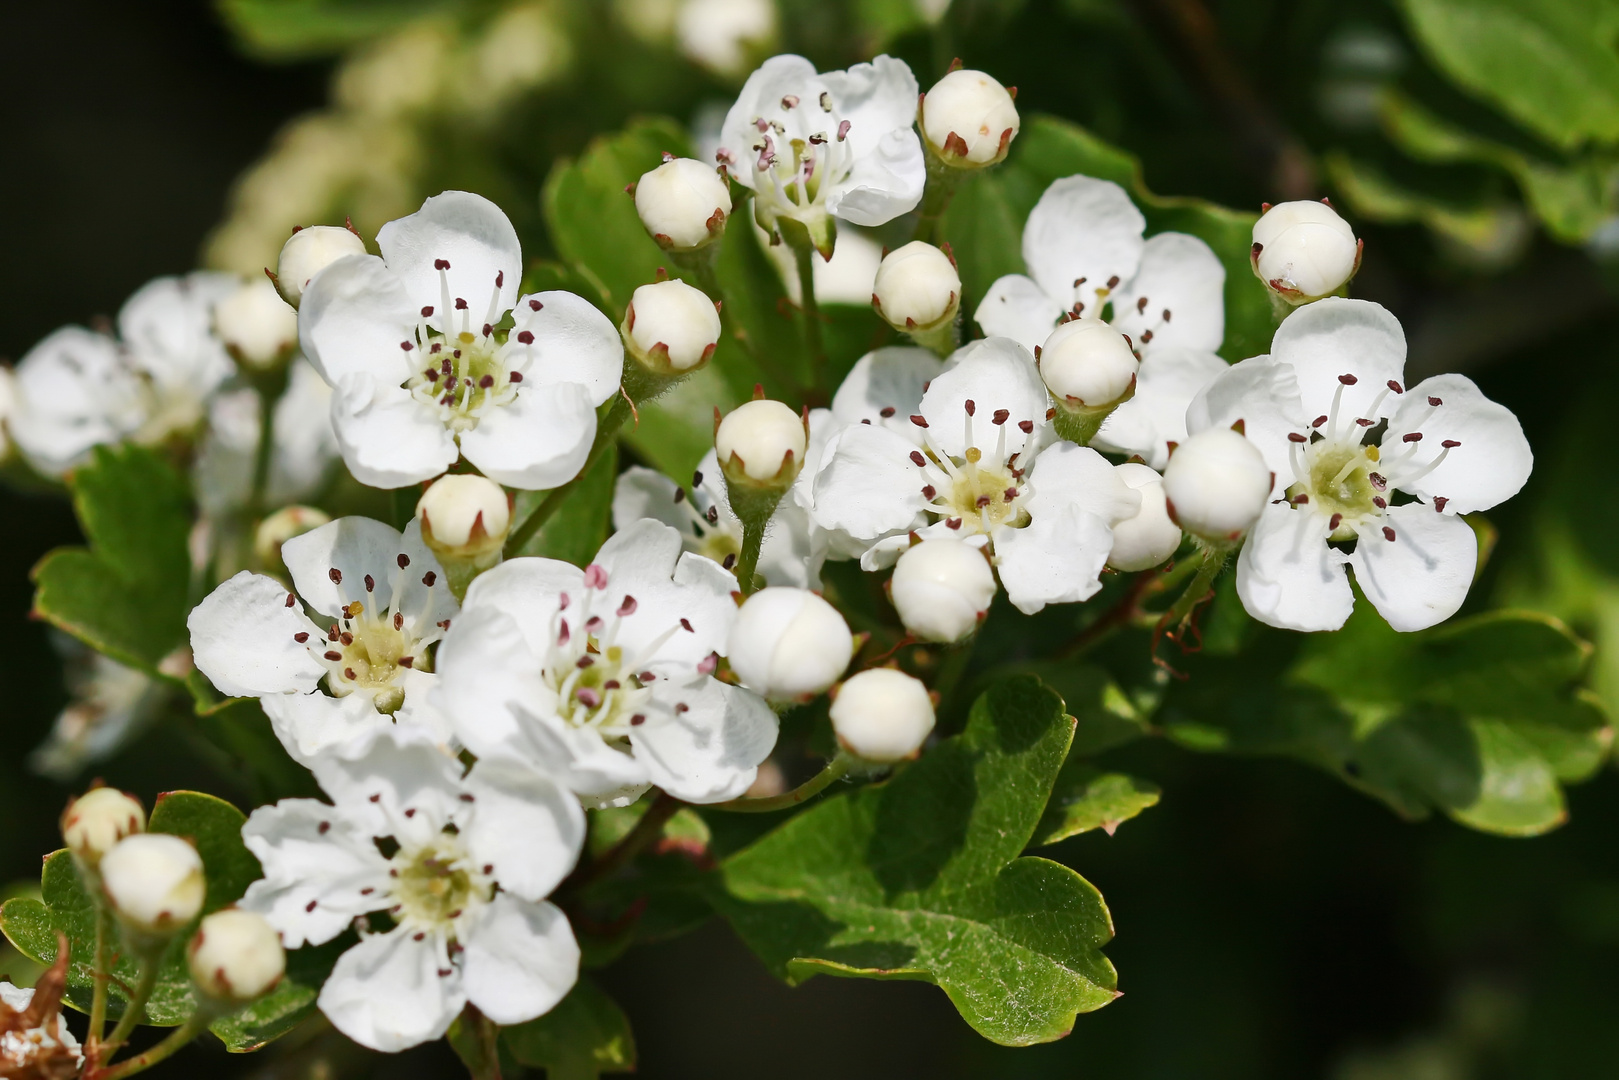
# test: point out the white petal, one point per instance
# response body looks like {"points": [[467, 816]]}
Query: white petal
{"points": [[876, 98], [242, 639], [1077, 476], [421, 713], [486, 671], [1264, 396], [377, 778], [1335, 337], [316, 880], [474, 236], [524, 823], [521, 959], [540, 440], [1165, 385], [647, 562], [305, 441], [994, 374], [573, 343], [1082, 228], [167, 326], [1421, 577], [640, 493], [710, 752], [357, 548], [1182, 275], [353, 319], [313, 724], [868, 486], [1287, 574], [527, 590], [886, 181], [1057, 558], [73, 392], [779, 75], [389, 439], [890, 380], [794, 549], [1490, 466], [1016, 307], [386, 993]]}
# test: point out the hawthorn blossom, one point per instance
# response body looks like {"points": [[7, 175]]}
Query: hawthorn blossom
{"points": [[303, 450], [811, 145], [1438, 450], [1085, 254], [80, 388], [378, 600], [607, 672], [472, 859], [979, 464], [417, 348]]}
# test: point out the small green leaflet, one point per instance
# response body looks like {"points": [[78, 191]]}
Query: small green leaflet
{"points": [[1087, 798]]}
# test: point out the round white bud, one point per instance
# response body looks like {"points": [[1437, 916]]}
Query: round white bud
{"points": [[757, 438], [97, 820], [789, 644], [1304, 250], [1147, 539], [281, 526], [917, 287], [256, 325], [1088, 362], [464, 515], [942, 589], [672, 325], [155, 882], [882, 715], [309, 251], [683, 204], [1216, 485], [235, 956], [969, 119]]}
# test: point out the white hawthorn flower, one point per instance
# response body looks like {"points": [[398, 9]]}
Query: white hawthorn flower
{"points": [[473, 858], [811, 145], [412, 345], [40, 1050], [378, 599], [1085, 255], [979, 466], [1333, 375], [78, 389], [607, 672], [301, 455]]}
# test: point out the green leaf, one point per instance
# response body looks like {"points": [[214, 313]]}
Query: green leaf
{"points": [[1086, 798], [1549, 64], [985, 221], [1490, 234], [214, 827], [295, 29], [587, 1034], [125, 595], [676, 430], [920, 878], [578, 528], [757, 314]]}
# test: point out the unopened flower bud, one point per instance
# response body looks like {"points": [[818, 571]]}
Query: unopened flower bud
{"points": [[464, 519], [1304, 250], [1090, 370], [882, 715], [1216, 485], [281, 526], [789, 644], [918, 291], [968, 119], [683, 204], [671, 328], [235, 956], [1147, 539], [761, 443], [96, 821], [942, 589], [256, 325], [155, 883], [309, 251]]}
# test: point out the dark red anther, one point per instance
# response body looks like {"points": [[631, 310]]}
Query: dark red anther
{"points": [[403, 560], [406, 346], [441, 264], [516, 376], [971, 406], [1396, 387], [429, 578], [628, 606], [1363, 422], [486, 382], [1388, 534], [1333, 524], [500, 279], [953, 523], [1415, 436], [535, 305], [917, 458], [460, 304], [291, 600], [487, 329], [1001, 416], [1318, 421], [1300, 499], [1025, 426], [920, 421], [929, 491], [336, 575], [685, 624], [301, 636], [399, 620], [1450, 444], [333, 655], [525, 337], [370, 583], [1348, 380], [1439, 503], [1113, 282], [1380, 502], [1010, 494], [886, 411], [1436, 402], [1293, 436], [427, 310]]}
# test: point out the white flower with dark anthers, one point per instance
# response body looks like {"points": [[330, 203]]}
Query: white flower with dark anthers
{"points": [[1333, 376], [78, 389], [815, 145], [473, 858], [607, 672], [381, 601], [416, 345], [794, 546], [1085, 254], [979, 466]]}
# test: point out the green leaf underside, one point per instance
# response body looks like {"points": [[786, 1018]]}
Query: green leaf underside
{"points": [[587, 1034], [985, 221], [1480, 719], [920, 878], [214, 826], [125, 595], [1086, 798]]}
